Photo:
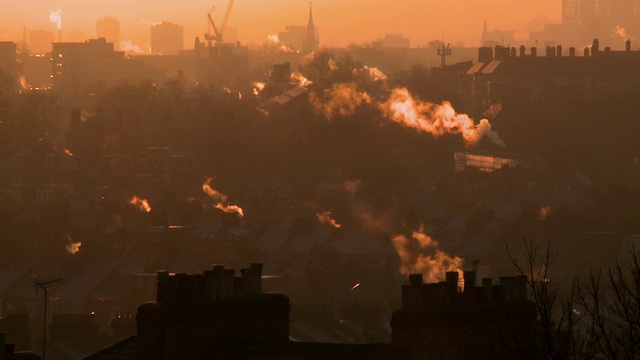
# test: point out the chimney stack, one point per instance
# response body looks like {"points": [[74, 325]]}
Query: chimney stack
{"points": [[628, 45], [452, 281], [559, 51], [523, 50], [485, 54], [572, 51], [469, 281], [513, 52], [534, 51], [595, 48]]}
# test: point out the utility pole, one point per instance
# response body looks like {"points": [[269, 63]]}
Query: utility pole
{"points": [[44, 285]]}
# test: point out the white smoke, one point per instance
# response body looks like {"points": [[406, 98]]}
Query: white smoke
{"points": [[56, 18], [130, 48]]}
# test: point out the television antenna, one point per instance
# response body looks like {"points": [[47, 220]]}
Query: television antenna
{"points": [[44, 285]]}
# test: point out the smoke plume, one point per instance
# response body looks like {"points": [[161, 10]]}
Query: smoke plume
{"points": [[326, 219], [436, 119], [339, 100], [221, 201], [140, 203], [344, 99], [421, 254], [274, 42], [55, 17]]}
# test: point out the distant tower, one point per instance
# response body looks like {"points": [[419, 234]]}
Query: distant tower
{"points": [[311, 42], [109, 28], [485, 34]]}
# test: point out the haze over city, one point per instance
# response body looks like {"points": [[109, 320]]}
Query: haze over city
{"points": [[348, 179], [341, 22]]}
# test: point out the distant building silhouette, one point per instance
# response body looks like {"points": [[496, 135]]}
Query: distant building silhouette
{"points": [[192, 311], [9, 59], [218, 315], [109, 28], [392, 41], [93, 65], [448, 321], [311, 41], [589, 74], [167, 39]]}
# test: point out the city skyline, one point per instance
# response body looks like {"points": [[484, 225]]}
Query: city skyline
{"points": [[419, 21]]}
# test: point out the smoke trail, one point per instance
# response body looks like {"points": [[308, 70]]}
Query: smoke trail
{"points": [[220, 199], [56, 17], [436, 119], [340, 99], [421, 254]]}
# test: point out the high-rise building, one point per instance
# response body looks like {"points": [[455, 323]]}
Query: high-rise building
{"points": [[167, 39], [109, 29], [311, 41], [79, 68], [9, 59]]}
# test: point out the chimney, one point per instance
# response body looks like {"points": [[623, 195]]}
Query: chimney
{"points": [[586, 52], [412, 294], [607, 50], [501, 52], [487, 286], [469, 282], [452, 281], [523, 50], [548, 51], [513, 52], [252, 279], [485, 54], [572, 51], [559, 51], [534, 51], [628, 45], [595, 48]]}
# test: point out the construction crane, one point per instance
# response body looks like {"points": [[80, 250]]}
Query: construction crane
{"points": [[217, 34]]}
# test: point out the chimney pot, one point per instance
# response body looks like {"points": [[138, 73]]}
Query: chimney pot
{"points": [[415, 279]]}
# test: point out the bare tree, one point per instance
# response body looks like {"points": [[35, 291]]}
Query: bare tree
{"points": [[611, 302], [555, 335]]}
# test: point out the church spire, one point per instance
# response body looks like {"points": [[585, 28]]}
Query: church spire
{"points": [[310, 23], [311, 42], [485, 33]]}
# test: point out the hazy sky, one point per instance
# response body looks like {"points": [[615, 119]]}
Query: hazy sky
{"points": [[340, 21]]}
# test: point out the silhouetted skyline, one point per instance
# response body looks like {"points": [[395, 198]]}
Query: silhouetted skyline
{"points": [[340, 22]]}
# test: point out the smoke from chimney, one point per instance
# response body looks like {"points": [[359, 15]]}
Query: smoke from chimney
{"points": [[140, 203], [221, 200], [340, 100], [326, 219], [55, 17], [421, 254], [344, 99]]}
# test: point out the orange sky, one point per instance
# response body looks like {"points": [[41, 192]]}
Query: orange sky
{"points": [[340, 21]]}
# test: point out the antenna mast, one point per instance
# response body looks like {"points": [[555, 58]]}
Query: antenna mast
{"points": [[444, 51], [44, 285]]}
